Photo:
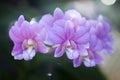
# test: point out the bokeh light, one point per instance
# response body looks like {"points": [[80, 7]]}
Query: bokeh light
{"points": [[108, 2]]}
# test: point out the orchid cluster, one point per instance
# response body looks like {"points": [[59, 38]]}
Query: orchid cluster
{"points": [[67, 33]]}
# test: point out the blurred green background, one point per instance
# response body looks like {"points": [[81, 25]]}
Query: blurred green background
{"points": [[46, 67]]}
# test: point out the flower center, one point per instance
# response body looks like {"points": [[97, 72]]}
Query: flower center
{"points": [[30, 45], [67, 45], [70, 45]]}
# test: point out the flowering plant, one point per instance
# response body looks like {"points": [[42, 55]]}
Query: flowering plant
{"points": [[69, 33]]}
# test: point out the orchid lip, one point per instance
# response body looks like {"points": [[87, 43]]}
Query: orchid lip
{"points": [[30, 44]]}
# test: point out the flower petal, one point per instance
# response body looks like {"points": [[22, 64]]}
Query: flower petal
{"points": [[89, 63], [93, 41], [28, 55], [83, 31], [59, 51], [20, 20], [47, 20], [17, 49], [107, 27], [15, 34], [70, 14], [60, 23], [72, 54], [77, 62], [69, 29], [58, 14], [54, 37], [32, 54], [98, 59], [39, 33], [42, 48], [18, 57], [83, 50], [83, 39], [25, 30], [99, 46]]}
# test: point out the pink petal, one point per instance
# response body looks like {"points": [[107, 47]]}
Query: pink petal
{"points": [[47, 20], [38, 31], [93, 41], [58, 31], [98, 59], [17, 49], [81, 32], [59, 51], [99, 46], [54, 37], [58, 14], [70, 14], [25, 30], [107, 27], [43, 34], [83, 39], [20, 20], [15, 34], [109, 48], [77, 62], [60, 23], [69, 29], [83, 51], [42, 48]]}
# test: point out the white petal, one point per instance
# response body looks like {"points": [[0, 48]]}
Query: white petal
{"points": [[72, 54], [18, 57], [89, 63], [26, 55], [32, 54]]}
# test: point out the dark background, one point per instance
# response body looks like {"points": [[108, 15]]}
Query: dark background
{"points": [[45, 67]]}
